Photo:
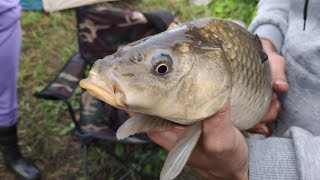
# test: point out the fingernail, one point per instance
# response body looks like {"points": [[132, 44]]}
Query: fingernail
{"points": [[281, 83]]}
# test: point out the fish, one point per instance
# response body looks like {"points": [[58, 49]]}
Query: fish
{"points": [[184, 75]]}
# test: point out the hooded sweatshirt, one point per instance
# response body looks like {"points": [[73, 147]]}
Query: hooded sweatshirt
{"points": [[293, 26]]}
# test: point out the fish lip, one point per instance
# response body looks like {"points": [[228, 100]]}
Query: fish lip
{"points": [[107, 92]]}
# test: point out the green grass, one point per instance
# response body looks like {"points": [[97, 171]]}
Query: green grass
{"points": [[243, 10], [45, 127]]}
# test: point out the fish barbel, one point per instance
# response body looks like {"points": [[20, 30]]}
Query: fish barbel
{"points": [[185, 75]]}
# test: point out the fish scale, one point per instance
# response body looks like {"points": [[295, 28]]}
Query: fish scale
{"points": [[204, 63], [250, 62]]}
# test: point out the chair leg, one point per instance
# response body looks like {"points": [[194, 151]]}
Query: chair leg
{"points": [[134, 169], [85, 140], [73, 116], [85, 160]]}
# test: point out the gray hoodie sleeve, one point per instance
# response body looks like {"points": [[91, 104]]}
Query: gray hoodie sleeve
{"points": [[271, 21], [297, 157]]}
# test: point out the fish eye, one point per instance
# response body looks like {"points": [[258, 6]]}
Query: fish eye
{"points": [[162, 64], [162, 68]]}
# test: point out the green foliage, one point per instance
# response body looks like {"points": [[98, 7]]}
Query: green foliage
{"points": [[243, 10], [119, 149], [45, 126], [231, 9]]}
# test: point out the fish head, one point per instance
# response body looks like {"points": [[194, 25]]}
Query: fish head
{"points": [[164, 75]]}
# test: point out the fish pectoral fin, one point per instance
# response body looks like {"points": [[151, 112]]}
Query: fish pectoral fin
{"points": [[179, 155], [142, 123]]}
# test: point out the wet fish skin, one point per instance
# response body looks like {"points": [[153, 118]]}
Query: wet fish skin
{"points": [[251, 79], [207, 60]]}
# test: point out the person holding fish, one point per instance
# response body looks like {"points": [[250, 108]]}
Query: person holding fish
{"points": [[197, 85], [289, 31], [10, 42]]}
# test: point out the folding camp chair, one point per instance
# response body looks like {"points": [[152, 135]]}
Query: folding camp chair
{"points": [[99, 35]]}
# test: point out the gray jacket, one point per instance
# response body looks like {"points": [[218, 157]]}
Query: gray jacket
{"points": [[293, 26]]}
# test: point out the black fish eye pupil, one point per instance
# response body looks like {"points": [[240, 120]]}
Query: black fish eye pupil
{"points": [[162, 68]]}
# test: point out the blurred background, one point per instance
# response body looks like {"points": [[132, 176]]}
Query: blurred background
{"points": [[45, 127]]}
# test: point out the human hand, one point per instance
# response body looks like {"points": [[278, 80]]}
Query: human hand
{"points": [[174, 23], [221, 152], [277, 65], [279, 84]]}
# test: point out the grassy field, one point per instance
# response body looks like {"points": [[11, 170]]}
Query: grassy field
{"points": [[45, 127]]}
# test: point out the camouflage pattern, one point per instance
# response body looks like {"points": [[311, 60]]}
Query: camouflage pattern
{"points": [[101, 120], [101, 31], [64, 84]]}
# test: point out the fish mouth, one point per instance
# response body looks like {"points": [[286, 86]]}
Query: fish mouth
{"points": [[104, 89]]}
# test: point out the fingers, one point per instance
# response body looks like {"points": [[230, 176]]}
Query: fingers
{"points": [[273, 110], [219, 120], [166, 139], [219, 134], [174, 23], [215, 126], [278, 66], [131, 113], [270, 116], [260, 129]]}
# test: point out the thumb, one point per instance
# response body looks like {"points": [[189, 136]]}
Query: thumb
{"points": [[278, 66], [167, 138], [218, 123]]}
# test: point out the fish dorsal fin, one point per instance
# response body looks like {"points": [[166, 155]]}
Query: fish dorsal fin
{"points": [[179, 154], [142, 123]]}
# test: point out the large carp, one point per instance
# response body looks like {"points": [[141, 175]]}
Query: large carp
{"points": [[185, 75]]}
